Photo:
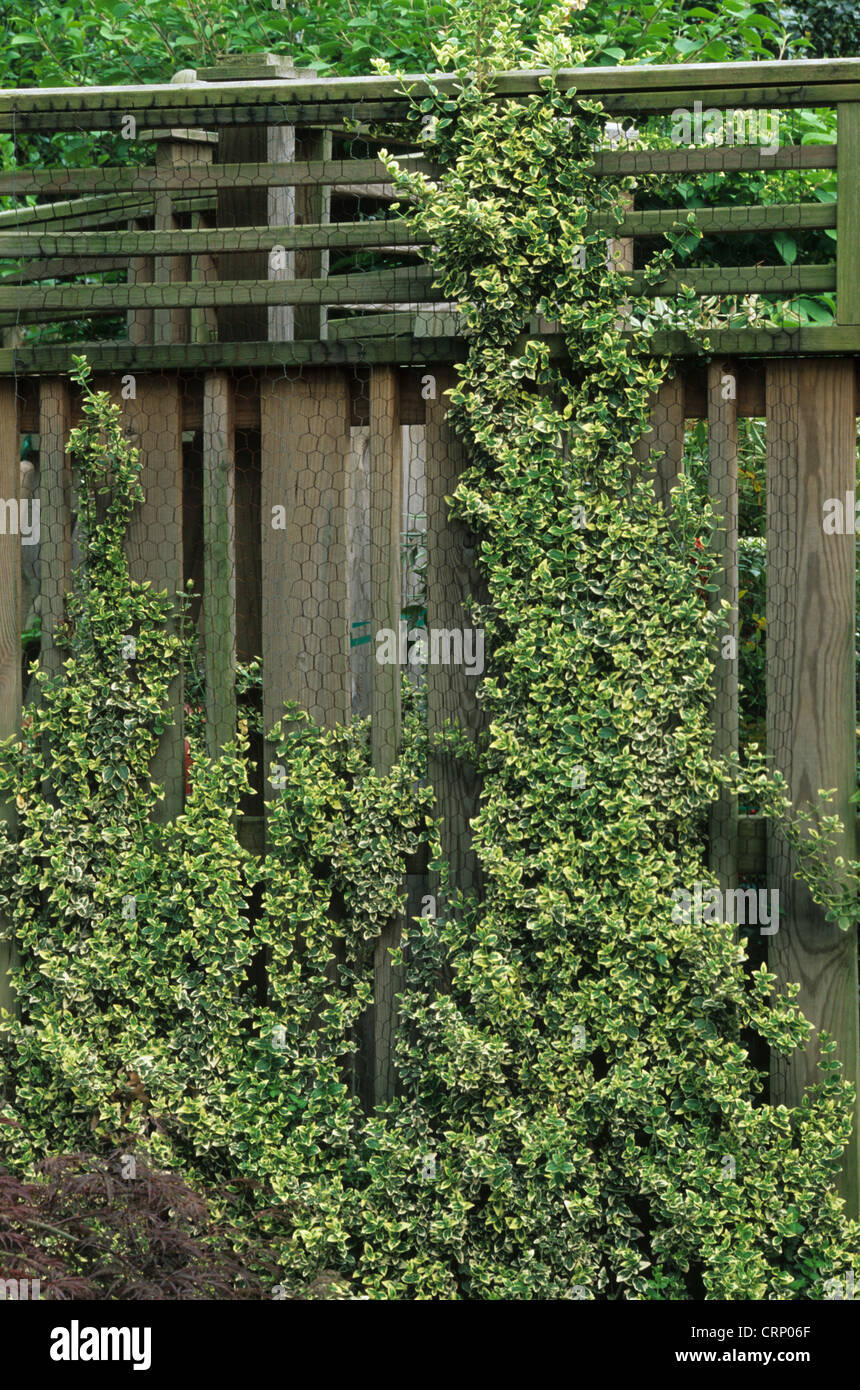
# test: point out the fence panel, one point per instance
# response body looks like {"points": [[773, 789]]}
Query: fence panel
{"points": [[812, 456]]}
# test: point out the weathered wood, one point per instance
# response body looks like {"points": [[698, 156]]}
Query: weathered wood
{"points": [[758, 279], [281, 202], [93, 212], [727, 221], [452, 579], [359, 288], [371, 287], [260, 206], [394, 232], [50, 359], [259, 105], [707, 79], [10, 624], [172, 325], [750, 384], [117, 356], [304, 454], [754, 97], [113, 207], [55, 546], [835, 340], [750, 403], [219, 561], [386, 503], [386, 508], [62, 267], [706, 161], [361, 633], [848, 215], [198, 175], [153, 420], [371, 325], [811, 456], [204, 271], [723, 491], [312, 206], [666, 435], [211, 117], [249, 576]]}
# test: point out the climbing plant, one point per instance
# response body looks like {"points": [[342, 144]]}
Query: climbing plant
{"points": [[140, 1018], [598, 1128]]}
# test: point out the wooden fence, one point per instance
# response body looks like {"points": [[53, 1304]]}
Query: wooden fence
{"points": [[283, 370]]}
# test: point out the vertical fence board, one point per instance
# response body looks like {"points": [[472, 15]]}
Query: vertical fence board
{"points": [[55, 484], [723, 489], [304, 453], [361, 643], [451, 694], [10, 618], [154, 544], [386, 508], [811, 456], [219, 560]]}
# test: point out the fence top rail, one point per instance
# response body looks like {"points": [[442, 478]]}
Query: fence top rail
{"points": [[721, 79]]}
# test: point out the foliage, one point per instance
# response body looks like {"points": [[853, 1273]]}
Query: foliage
{"points": [[139, 1013], [98, 42], [584, 1080], [830, 27]]}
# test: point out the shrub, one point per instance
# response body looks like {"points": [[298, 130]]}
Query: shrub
{"points": [[110, 1227]]}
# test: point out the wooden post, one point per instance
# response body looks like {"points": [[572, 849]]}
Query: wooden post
{"points": [[10, 618], [173, 149], [154, 544], [848, 214], [255, 207], [386, 509], [219, 560], [55, 546], [452, 579], [723, 489], [312, 205], [811, 456]]}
